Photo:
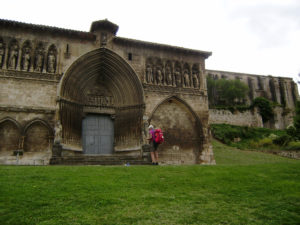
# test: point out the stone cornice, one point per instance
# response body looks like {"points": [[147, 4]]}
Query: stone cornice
{"points": [[26, 109], [48, 77], [121, 40], [47, 29], [245, 74]]}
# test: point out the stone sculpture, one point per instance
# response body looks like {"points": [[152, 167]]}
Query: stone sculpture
{"points": [[51, 62], [39, 59], [13, 57], [195, 80], [149, 75], [26, 58], [2, 54], [159, 77], [186, 79]]}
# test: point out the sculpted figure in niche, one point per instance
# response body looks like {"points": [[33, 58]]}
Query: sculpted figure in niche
{"points": [[195, 80], [51, 62], [169, 75], [58, 133], [2, 54], [39, 60], [159, 76], [186, 78], [26, 59], [13, 57], [177, 77], [149, 75]]}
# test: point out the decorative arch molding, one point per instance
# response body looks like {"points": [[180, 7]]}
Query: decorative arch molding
{"points": [[174, 97], [11, 120], [104, 64], [42, 122], [101, 82]]}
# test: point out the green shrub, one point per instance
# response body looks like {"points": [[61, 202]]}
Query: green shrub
{"points": [[273, 136], [265, 108], [263, 143], [283, 140], [251, 138], [293, 145], [291, 130]]}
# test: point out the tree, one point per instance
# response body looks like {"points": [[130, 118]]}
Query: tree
{"points": [[265, 108], [228, 92]]}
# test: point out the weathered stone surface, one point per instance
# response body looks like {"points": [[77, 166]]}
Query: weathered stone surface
{"points": [[51, 76]]}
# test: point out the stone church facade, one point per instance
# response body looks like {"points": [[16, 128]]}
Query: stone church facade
{"points": [[72, 95]]}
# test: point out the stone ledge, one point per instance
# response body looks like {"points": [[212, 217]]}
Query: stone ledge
{"points": [[48, 77], [170, 89], [26, 109]]}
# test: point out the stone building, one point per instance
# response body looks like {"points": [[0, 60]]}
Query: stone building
{"points": [[70, 97], [88, 97], [281, 90]]}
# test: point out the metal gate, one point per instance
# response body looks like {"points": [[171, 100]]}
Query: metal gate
{"points": [[97, 134]]}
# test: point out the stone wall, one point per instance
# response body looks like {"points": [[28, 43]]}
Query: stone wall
{"points": [[282, 90], [252, 118], [247, 118]]}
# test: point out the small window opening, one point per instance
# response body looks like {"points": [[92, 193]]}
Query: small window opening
{"points": [[130, 56]]}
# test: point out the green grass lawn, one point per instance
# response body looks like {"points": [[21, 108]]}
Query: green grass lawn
{"points": [[243, 188]]}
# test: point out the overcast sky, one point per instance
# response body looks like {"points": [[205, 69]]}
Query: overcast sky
{"points": [[251, 36]]}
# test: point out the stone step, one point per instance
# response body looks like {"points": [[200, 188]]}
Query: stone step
{"points": [[99, 160]]}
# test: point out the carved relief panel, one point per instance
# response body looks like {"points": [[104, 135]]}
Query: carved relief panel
{"points": [[98, 95], [27, 57], [161, 72]]}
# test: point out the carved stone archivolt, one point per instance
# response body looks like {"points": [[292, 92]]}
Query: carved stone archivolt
{"points": [[170, 73], [25, 57], [103, 82]]}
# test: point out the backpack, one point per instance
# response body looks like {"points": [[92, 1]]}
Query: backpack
{"points": [[158, 136]]}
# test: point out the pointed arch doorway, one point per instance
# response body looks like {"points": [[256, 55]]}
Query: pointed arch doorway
{"points": [[101, 104]]}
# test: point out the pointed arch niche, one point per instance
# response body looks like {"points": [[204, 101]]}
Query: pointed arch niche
{"points": [[10, 133], [182, 131], [38, 136], [102, 82]]}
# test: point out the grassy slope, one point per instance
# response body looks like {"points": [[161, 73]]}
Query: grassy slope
{"points": [[244, 188]]}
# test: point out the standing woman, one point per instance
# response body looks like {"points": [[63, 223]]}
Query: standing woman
{"points": [[153, 149]]}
